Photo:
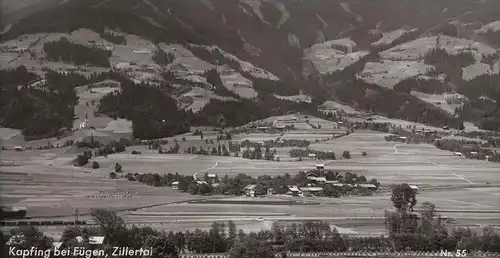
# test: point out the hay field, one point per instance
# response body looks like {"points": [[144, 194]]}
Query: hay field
{"points": [[48, 184], [388, 73], [52, 191], [326, 58], [351, 215], [440, 100]]}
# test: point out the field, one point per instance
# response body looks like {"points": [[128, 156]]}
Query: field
{"points": [[48, 184], [406, 60], [326, 58], [493, 26], [388, 73], [439, 100], [389, 37]]}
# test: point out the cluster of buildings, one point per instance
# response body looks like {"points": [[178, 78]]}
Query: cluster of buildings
{"points": [[212, 180]]}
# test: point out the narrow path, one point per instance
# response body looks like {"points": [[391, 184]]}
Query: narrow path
{"points": [[195, 177], [440, 166], [449, 171]]}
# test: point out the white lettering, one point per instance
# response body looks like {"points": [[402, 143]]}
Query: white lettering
{"points": [[11, 251], [115, 251]]}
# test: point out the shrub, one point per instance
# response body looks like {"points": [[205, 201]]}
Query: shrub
{"points": [[346, 155], [118, 168], [81, 160], [364, 153], [95, 165], [112, 175], [136, 152]]}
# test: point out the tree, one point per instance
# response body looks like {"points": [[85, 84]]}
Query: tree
{"points": [[81, 160], [364, 153], [95, 165], [26, 237], [162, 247], [232, 233], [427, 215], [346, 155], [251, 247], [193, 188], [403, 198], [118, 168], [112, 175], [111, 225], [204, 189]]}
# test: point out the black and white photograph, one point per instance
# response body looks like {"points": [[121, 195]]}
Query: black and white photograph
{"points": [[249, 128]]}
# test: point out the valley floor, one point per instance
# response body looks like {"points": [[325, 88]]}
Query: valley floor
{"points": [[46, 182]]}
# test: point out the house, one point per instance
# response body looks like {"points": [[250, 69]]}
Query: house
{"points": [[317, 179], [96, 240], [429, 132], [201, 182], [280, 127], [18, 148], [312, 155], [294, 191], [474, 153], [253, 190], [215, 185], [262, 128], [367, 186], [93, 240], [175, 185], [320, 166], [271, 191], [414, 188], [311, 190]]}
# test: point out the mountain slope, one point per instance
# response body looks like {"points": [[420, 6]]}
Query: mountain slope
{"points": [[251, 50]]}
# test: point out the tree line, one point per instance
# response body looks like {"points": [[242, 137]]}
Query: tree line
{"points": [[154, 114], [219, 88], [449, 64], [162, 58], [485, 112], [40, 112], [393, 104], [429, 86], [278, 143], [65, 51], [304, 153], [113, 37]]}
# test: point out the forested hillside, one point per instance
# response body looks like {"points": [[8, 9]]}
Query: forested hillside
{"points": [[39, 112], [67, 52], [274, 37]]}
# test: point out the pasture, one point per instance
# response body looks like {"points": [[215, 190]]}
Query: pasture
{"points": [[46, 182]]}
